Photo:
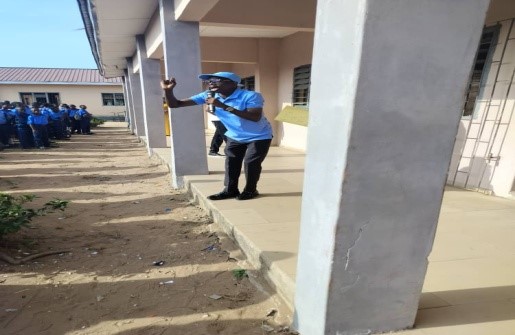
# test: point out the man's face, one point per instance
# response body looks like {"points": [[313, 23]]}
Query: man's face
{"points": [[221, 85]]}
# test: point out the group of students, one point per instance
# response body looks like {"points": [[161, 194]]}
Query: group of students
{"points": [[34, 126]]}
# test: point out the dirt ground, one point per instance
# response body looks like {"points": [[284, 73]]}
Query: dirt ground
{"points": [[123, 216]]}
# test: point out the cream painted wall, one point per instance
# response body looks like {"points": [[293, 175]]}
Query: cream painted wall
{"points": [[267, 79], [292, 51], [229, 49], [500, 10], [284, 13], [295, 50], [70, 94], [244, 70]]}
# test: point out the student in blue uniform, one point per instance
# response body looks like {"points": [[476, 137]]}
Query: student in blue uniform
{"points": [[57, 123], [75, 118], [38, 123], [85, 122], [5, 125], [23, 130], [47, 111], [65, 117]]}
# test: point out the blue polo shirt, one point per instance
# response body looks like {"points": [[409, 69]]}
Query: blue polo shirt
{"points": [[239, 129], [55, 116], [84, 113], [37, 119], [46, 111], [5, 115], [71, 112], [21, 119]]}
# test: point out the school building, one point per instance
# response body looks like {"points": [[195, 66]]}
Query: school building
{"points": [[390, 100], [103, 96]]}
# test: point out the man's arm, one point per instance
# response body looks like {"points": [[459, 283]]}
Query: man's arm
{"points": [[252, 114], [30, 122], [171, 100]]}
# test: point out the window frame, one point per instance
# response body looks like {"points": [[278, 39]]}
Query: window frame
{"points": [[483, 75], [118, 99], [300, 96], [47, 95]]}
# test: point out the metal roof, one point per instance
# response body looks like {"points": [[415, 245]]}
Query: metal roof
{"points": [[24, 75]]}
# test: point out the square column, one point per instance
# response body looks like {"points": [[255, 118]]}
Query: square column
{"points": [[136, 99], [152, 97], [387, 85], [181, 48], [267, 79], [126, 93]]}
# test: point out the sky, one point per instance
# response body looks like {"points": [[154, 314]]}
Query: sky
{"points": [[44, 33]]}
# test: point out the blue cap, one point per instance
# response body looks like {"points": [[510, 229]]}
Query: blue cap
{"points": [[227, 75]]}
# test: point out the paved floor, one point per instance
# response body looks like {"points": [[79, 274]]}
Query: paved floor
{"points": [[470, 283]]}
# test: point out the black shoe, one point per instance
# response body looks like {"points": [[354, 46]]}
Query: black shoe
{"points": [[224, 195], [215, 154], [246, 195]]}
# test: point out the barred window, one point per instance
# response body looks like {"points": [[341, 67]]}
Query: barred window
{"points": [[483, 57], [301, 83], [249, 83], [113, 99]]}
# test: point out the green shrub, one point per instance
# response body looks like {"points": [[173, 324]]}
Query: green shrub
{"points": [[95, 122], [14, 215]]}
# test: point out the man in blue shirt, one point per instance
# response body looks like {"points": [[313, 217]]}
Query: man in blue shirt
{"points": [[5, 124], [249, 133], [38, 123], [75, 118], [64, 111], [56, 127], [85, 121], [22, 128]]}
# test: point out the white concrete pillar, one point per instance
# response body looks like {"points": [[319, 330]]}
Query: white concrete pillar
{"points": [[152, 96], [137, 100], [387, 89], [127, 97], [181, 47], [267, 79]]}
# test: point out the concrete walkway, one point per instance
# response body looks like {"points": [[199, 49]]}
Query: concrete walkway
{"points": [[470, 284]]}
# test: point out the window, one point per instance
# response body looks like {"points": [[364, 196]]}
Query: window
{"points": [[301, 82], [113, 99], [488, 40], [40, 97], [249, 83]]}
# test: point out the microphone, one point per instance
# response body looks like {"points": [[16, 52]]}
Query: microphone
{"points": [[210, 106]]}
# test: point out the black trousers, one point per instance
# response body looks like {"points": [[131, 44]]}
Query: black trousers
{"points": [[5, 133], [252, 155], [218, 137], [76, 126]]}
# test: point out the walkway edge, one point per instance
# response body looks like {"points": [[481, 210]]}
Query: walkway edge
{"points": [[275, 276]]}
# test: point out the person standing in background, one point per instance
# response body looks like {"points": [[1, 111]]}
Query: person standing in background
{"points": [[38, 123]]}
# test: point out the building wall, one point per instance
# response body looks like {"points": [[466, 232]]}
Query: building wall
{"points": [[70, 94], [295, 50], [491, 129]]}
